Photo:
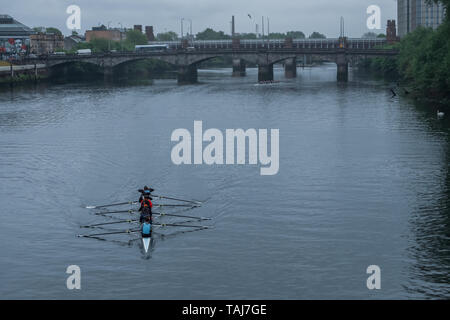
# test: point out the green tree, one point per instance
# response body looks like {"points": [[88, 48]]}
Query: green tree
{"points": [[167, 36], [317, 35], [295, 34], [103, 45], [369, 35], [249, 36], [39, 29], [133, 38], [277, 35], [210, 34], [53, 30]]}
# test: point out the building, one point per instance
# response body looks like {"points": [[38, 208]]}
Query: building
{"points": [[149, 33], [14, 36], [102, 32], [73, 40], [391, 32], [414, 13], [43, 42]]}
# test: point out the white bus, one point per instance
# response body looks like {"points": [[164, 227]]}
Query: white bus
{"points": [[84, 51], [151, 48]]}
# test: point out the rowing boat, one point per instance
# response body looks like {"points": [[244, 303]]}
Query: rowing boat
{"points": [[146, 241]]}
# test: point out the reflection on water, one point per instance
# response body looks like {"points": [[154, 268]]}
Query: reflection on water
{"points": [[364, 179]]}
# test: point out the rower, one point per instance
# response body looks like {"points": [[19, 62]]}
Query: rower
{"points": [[145, 191], [147, 228], [146, 207]]}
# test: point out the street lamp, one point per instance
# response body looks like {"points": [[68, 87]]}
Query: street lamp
{"points": [[121, 29], [182, 19], [253, 21], [190, 29], [109, 40]]}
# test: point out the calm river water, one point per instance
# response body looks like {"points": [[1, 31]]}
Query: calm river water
{"points": [[364, 180]]}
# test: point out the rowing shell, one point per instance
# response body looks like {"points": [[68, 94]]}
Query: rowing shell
{"points": [[146, 243]]}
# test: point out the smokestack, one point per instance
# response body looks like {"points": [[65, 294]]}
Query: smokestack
{"points": [[232, 26], [149, 33]]}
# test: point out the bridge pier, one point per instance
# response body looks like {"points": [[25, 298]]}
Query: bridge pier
{"points": [[65, 71], [265, 72], [238, 68], [342, 68], [187, 74], [290, 68], [108, 73]]}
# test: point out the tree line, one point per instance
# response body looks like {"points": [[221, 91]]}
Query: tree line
{"points": [[423, 62]]}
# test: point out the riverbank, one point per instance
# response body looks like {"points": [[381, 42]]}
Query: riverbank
{"points": [[422, 68], [13, 74]]}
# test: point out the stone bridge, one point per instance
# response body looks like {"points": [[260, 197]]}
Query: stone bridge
{"points": [[186, 56]]}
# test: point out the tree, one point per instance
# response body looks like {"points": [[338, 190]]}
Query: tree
{"points": [[135, 37], [47, 30], [39, 29], [167, 36], [381, 35], [369, 35], [295, 34], [102, 45], [277, 35], [249, 36], [210, 34], [53, 30], [317, 35]]}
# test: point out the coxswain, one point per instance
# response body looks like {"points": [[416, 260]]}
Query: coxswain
{"points": [[147, 228], [145, 191]]}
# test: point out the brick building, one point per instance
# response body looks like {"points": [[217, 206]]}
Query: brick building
{"points": [[43, 43], [104, 33]]}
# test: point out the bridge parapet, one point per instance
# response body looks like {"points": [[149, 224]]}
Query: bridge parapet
{"points": [[263, 53]]}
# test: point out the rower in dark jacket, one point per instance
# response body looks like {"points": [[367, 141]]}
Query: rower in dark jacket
{"points": [[145, 191], [146, 207]]}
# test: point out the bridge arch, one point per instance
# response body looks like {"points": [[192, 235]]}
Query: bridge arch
{"points": [[60, 63], [74, 70]]}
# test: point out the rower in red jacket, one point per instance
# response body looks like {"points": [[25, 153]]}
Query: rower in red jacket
{"points": [[146, 208]]}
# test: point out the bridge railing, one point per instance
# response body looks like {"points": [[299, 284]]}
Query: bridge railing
{"points": [[330, 43]]}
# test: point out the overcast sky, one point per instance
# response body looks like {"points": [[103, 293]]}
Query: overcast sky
{"points": [[285, 15]]}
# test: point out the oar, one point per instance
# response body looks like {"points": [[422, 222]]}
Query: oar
{"points": [[120, 211], [111, 205], [176, 199], [106, 233], [131, 221], [160, 214], [179, 225], [137, 230], [181, 216], [156, 205], [107, 223], [176, 205]]}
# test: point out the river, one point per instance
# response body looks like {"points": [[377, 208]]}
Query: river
{"points": [[364, 179]]}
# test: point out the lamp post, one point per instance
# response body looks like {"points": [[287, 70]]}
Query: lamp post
{"points": [[182, 19], [256, 25], [121, 44], [190, 28], [109, 40]]}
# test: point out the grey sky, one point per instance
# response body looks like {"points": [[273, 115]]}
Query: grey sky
{"points": [[164, 15]]}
